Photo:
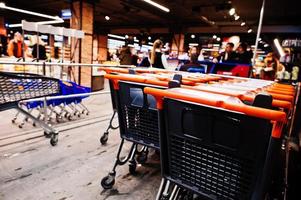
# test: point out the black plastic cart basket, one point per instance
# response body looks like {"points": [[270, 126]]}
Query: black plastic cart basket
{"points": [[15, 87], [215, 148]]}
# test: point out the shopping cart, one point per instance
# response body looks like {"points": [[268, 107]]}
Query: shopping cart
{"points": [[58, 109], [15, 87], [137, 116], [215, 146]]}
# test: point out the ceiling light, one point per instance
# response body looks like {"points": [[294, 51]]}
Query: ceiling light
{"points": [[126, 36], [116, 36], [157, 5], [149, 37], [40, 23], [192, 36], [107, 18], [218, 39], [243, 23], [135, 38], [236, 17], [259, 39], [279, 47], [250, 30], [266, 45], [214, 36], [2, 5], [232, 11]]}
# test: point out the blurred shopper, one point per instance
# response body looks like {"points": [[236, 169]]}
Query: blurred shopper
{"points": [[243, 55], [201, 56], [145, 60], [15, 46], [134, 57], [272, 67], [158, 59], [193, 63], [125, 56], [229, 55], [38, 48]]}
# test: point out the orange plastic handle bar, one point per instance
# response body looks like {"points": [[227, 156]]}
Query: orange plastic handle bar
{"points": [[248, 110], [277, 117], [243, 97]]}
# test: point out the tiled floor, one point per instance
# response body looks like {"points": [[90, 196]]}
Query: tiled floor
{"points": [[30, 168]]}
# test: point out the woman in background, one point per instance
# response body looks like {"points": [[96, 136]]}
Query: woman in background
{"points": [[158, 59]]}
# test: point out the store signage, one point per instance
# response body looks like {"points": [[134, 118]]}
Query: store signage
{"points": [[291, 43]]}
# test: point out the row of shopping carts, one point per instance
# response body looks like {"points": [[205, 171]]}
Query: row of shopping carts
{"points": [[58, 110], [22, 91], [219, 137]]}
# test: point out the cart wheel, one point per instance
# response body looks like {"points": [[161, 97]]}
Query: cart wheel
{"points": [[132, 168], [34, 124], [108, 182], [142, 158], [69, 117], [87, 113], [26, 119], [54, 140], [78, 115], [104, 138], [20, 126], [13, 121]]}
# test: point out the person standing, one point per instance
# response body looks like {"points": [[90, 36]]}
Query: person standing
{"points": [[158, 59], [125, 56], [15, 46], [229, 55], [38, 48], [243, 55]]}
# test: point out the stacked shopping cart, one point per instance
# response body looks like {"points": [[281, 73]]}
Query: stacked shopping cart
{"points": [[219, 136]]}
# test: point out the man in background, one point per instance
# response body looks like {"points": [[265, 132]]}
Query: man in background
{"points": [[229, 55], [15, 46]]}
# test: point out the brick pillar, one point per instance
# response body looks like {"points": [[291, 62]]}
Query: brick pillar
{"points": [[82, 51], [177, 45], [102, 48]]}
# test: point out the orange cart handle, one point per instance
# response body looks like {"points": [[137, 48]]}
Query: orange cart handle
{"points": [[278, 117], [248, 110]]}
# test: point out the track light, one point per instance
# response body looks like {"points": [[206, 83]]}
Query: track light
{"points": [[243, 23], [149, 37], [250, 30], [107, 18], [214, 36], [232, 11], [265, 45], [236, 17], [218, 39], [192, 36]]}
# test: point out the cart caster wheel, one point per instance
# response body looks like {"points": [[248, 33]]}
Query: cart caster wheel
{"points": [[69, 117], [78, 115], [132, 168], [108, 182], [34, 124], [13, 121], [20, 126], [26, 119], [87, 113], [104, 138], [54, 140], [142, 158]]}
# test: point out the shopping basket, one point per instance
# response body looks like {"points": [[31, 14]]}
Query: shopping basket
{"points": [[216, 146], [15, 87]]}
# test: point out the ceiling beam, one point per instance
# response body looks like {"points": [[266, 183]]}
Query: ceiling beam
{"points": [[229, 29]]}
